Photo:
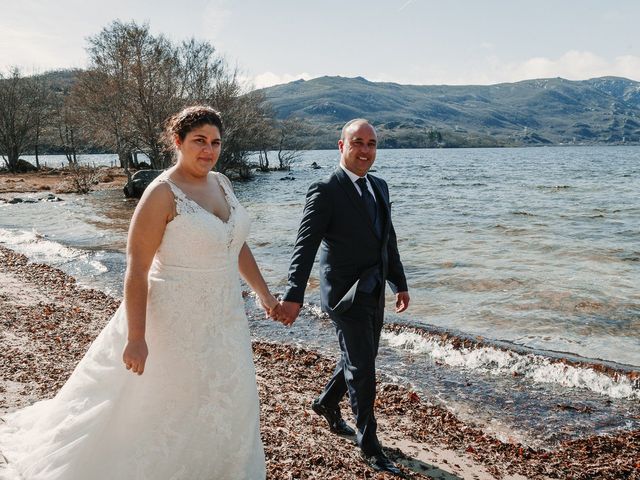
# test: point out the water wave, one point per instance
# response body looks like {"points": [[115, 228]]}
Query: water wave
{"points": [[553, 187], [43, 250], [457, 351]]}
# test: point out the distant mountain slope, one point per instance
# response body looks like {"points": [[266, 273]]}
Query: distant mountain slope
{"points": [[547, 111]]}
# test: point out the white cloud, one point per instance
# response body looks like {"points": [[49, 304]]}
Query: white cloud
{"points": [[34, 50], [217, 15], [573, 65], [407, 3], [268, 79], [628, 66]]}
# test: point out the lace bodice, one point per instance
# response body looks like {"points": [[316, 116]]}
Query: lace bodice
{"points": [[196, 238]]}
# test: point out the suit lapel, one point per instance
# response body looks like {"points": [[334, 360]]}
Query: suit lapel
{"points": [[384, 202]]}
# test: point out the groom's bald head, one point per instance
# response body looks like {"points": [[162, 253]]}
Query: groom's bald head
{"points": [[355, 123]]}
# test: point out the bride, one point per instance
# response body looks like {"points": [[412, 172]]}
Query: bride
{"points": [[180, 401]]}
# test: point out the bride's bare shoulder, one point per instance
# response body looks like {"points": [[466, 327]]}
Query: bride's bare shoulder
{"points": [[158, 199]]}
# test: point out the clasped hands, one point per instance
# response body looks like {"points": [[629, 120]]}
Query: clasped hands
{"points": [[282, 311], [286, 312]]}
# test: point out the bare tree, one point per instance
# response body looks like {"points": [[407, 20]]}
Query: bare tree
{"points": [[42, 115], [67, 126], [247, 127], [82, 178], [289, 144], [201, 69], [100, 103], [137, 80], [147, 78], [263, 159], [18, 107], [154, 91], [127, 87]]}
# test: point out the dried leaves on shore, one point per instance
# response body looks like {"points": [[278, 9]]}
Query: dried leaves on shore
{"points": [[46, 332], [44, 337], [292, 377]]}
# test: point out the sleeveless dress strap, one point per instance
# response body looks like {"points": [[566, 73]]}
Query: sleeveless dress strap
{"points": [[183, 203], [224, 181], [227, 189]]}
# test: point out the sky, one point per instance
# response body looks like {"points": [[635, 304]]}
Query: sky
{"points": [[421, 42]]}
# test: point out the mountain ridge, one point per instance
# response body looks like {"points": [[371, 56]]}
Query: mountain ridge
{"points": [[548, 111]]}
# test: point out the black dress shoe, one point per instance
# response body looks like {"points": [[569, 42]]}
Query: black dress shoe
{"points": [[333, 417], [381, 463]]}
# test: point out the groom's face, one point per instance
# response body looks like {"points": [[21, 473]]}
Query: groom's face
{"points": [[358, 148]]}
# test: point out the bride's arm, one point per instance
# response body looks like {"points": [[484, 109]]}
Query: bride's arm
{"points": [[251, 274], [154, 211]]}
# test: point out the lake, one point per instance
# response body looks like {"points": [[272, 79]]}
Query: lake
{"points": [[533, 251]]}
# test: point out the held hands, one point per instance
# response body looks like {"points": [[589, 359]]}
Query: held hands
{"points": [[283, 312], [289, 312], [270, 305], [135, 355]]}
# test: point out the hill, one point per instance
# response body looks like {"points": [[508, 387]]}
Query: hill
{"points": [[553, 111], [550, 111]]}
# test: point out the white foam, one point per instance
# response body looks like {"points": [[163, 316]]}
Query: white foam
{"points": [[33, 244], [495, 361], [39, 248], [98, 266]]}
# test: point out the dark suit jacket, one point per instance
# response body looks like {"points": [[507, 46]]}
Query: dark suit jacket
{"points": [[335, 220]]}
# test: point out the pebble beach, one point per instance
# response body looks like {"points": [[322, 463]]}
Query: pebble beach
{"points": [[48, 322]]}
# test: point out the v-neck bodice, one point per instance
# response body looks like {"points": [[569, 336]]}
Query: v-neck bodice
{"points": [[181, 196], [197, 238]]}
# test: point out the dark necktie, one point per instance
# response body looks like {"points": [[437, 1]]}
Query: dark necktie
{"points": [[367, 198]]}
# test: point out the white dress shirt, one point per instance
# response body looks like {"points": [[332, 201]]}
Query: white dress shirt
{"points": [[353, 177]]}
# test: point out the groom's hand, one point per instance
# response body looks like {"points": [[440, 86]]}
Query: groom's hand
{"points": [[275, 312], [290, 311], [402, 301]]}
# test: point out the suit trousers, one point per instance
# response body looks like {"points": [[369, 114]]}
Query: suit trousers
{"points": [[358, 330]]}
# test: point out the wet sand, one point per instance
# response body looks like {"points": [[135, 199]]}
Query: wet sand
{"points": [[47, 323]]}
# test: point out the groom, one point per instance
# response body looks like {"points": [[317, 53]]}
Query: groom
{"points": [[348, 217]]}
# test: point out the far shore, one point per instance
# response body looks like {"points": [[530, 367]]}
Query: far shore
{"points": [[57, 180], [48, 322]]}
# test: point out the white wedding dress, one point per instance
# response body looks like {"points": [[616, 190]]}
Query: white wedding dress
{"points": [[194, 413]]}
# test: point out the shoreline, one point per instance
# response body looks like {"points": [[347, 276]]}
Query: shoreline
{"points": [[48, 321], [57, 180]]}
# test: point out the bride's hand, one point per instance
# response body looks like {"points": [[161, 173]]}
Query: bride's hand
{"points": [[135, 355], [270, 305]]}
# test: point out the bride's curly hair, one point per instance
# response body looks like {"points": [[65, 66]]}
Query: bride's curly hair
{"points": [[189, 119]]}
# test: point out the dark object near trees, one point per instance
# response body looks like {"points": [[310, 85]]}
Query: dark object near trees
{"points": [[139, 182], [23, 166]]}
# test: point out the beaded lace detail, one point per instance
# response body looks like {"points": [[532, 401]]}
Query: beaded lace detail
{"points": [[203, 219], [185, 205]]}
